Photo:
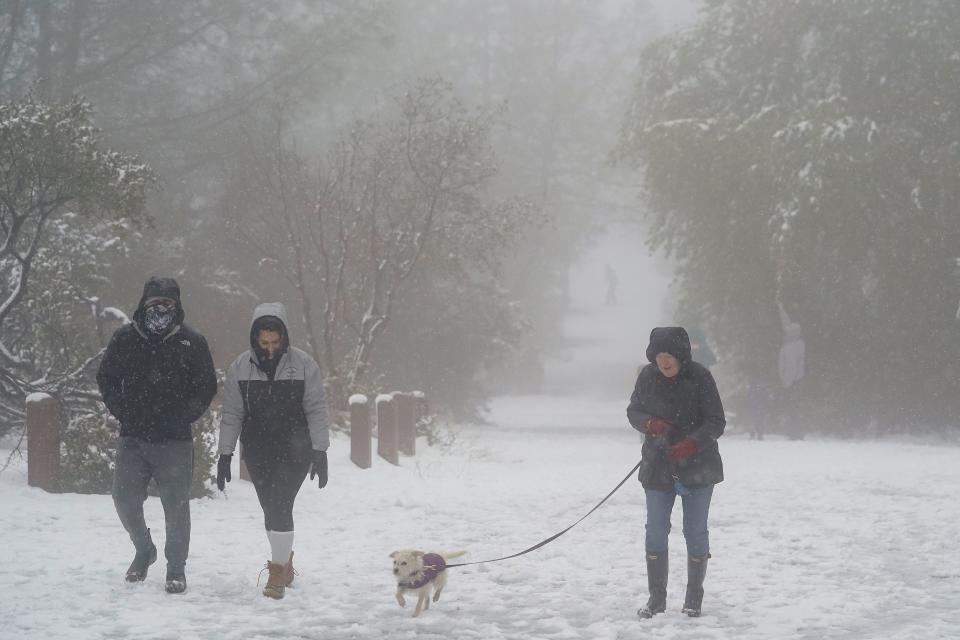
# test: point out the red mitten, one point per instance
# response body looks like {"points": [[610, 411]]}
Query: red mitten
{"points": [[657, 426], [683, 449]]}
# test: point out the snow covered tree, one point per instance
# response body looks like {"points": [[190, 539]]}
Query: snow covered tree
{"points": [[401, 203], [806, 154], [63, 196], [169, 79], [562, 67]]}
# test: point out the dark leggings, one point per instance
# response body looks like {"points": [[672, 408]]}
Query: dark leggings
{"points": [[277, 482]]}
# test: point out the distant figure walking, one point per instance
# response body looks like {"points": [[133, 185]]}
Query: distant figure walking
{"points": [[759, 397], [792, 367], [612, 282], [699, 349]]}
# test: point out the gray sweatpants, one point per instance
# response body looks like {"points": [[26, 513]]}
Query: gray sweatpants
{"points": [[171, 464]]}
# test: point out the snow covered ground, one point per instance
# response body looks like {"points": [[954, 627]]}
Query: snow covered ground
{"points": [[810, 539]]}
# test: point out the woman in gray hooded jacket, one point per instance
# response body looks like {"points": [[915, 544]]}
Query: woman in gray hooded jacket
{"points": [[275, 403]]}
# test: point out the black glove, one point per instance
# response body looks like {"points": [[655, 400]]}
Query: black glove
{"points": [[319, 467], [223, 470]]}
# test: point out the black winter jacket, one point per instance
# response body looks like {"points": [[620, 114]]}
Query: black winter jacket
{"points": [[690, 402], [155, 387]]}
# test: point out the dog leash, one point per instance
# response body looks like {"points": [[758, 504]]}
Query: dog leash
{"points": [[556, 535]]}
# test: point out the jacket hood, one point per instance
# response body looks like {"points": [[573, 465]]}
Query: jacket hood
{"points": [[155, 287], [672, 340], [270, 310]]}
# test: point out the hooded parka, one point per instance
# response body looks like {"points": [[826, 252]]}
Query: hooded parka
{"points": [[690, 401], [157, 385], [278, 412]]}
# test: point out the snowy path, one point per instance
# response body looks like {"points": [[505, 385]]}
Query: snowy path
{"points": [[810, 540]]}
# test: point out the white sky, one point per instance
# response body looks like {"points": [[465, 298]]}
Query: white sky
{"points": [[676, 13]]}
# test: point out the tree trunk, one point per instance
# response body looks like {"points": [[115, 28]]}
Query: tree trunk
{"points": [[44, 12]]}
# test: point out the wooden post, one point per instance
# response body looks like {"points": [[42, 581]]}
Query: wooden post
{"points": [[360, 432], [387, 429], [244, 473], [406, 423], [420, 398], [43, 442], [422, 409]]}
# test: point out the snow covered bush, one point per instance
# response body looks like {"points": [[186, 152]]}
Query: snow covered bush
{"points": [[392, 245], [66, 202], [88, 451], [87, 454]]}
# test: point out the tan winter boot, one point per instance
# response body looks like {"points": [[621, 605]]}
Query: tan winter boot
{"points": [[277, 580], [289, 572]]}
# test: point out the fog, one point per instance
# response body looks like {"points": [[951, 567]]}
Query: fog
{"points": [[522, 138], [488, 212], [676, 14]]}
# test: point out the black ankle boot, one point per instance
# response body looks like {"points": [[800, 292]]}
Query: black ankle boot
{"points": [[696, 571], [658, 566], [141, 562], [176, 581]]}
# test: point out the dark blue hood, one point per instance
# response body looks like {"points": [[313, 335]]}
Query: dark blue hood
{"points": [[672, 340]]}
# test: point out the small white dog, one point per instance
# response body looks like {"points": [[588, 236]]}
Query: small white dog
{"points": [[421, 572]]}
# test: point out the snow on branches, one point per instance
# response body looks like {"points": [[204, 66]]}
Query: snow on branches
{"points": [[57, 182]]}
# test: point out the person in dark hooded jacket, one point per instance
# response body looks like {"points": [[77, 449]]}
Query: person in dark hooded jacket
{"points": [[156, 378], [676, 405], [275, 403], [700, 350]]}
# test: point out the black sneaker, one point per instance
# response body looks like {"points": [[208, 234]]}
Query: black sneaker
{"points": [[141, 562], [176, 582]]}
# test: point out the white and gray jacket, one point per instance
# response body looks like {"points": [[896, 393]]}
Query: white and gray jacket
{"points": [[279, 418]]}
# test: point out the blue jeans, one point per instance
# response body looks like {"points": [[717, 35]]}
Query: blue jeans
{"points": [[696, 507]]}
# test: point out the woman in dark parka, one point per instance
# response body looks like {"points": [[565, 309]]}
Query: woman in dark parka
{"points": [[676, 405]]}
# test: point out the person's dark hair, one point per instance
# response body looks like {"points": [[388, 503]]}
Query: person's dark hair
{"points": [[268, 323]]}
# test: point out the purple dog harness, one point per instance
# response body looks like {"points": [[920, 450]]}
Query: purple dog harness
{"points": [[433, 565]]}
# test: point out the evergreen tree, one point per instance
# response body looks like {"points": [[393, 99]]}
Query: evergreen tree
{"points": [[805, 154]]}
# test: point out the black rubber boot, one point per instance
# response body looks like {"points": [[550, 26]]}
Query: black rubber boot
{"points": [[696, 572], [141, 562], [176, 581], [658, 565]]}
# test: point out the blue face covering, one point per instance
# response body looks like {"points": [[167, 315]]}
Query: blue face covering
{"points": [[157, 318]]}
